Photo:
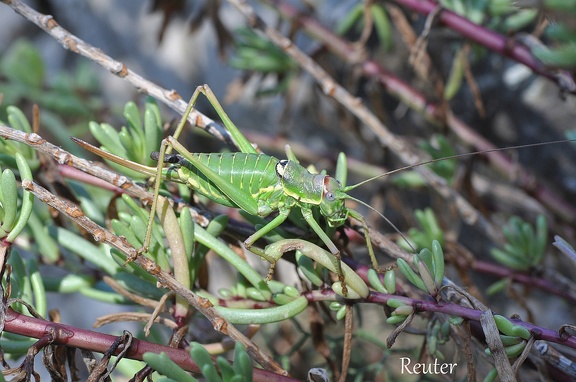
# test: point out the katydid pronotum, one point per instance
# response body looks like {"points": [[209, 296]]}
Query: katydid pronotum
{"points": [[256, 183]]}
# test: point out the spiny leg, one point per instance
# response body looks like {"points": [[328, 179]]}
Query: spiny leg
{"points": [[165, 148], [308, 216], [157, 181], [248, 243], [282, 216], [189, 107], [170, 142], [240, 140]]}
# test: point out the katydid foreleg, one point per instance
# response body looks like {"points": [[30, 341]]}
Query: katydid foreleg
{"points": [[308, 216]]}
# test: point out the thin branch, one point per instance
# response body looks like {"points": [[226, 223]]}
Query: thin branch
{"points": [[508, 47], [69, 162], [63, 157], [557, 287], [450, 309], [199, 303], [69, 41], [99, 342]]}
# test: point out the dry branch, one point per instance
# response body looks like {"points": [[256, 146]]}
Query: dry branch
{"points": [[102, 235]]}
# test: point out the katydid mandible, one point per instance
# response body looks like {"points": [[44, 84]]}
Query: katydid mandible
{"points": [[256, 183]]}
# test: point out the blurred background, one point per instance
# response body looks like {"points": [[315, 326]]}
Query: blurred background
{"points": [[182, 44]]}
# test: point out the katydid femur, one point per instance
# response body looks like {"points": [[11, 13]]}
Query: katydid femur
{"points": [[256, 183]]}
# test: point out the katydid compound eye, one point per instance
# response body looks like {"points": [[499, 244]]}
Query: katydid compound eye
{"points": [[329, 196]]}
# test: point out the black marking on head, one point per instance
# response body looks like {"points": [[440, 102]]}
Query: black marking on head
{"points": [[281, 167], [168, 158]]}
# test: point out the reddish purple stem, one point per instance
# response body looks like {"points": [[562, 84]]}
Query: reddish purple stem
{"points": [[99, 342], [481, 35]]}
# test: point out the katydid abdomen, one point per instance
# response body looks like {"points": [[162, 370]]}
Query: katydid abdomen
{"points": [[251, 173]]}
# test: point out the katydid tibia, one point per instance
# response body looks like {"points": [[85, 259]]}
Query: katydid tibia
{"points": [[256, 183]]}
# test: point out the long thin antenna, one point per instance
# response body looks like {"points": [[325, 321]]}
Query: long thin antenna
{"points": [[348, 188], [385, 219]]}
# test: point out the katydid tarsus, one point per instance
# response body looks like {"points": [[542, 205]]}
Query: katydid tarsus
{"points": [[256, 183]]}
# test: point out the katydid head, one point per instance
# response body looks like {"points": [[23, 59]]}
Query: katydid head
{"points": [[316, 189], [333, 205]]}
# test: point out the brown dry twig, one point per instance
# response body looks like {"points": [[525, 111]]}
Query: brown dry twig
{"points": [[69, 41], [69, 162], [201, 304]]}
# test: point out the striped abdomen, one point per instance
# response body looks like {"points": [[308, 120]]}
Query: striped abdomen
{"points": [[253, 173]]}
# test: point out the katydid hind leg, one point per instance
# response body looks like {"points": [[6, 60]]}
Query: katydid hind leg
{"points": [[165, 148], [243, 144], [189, 107], [157, 181], [240, 140]]}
